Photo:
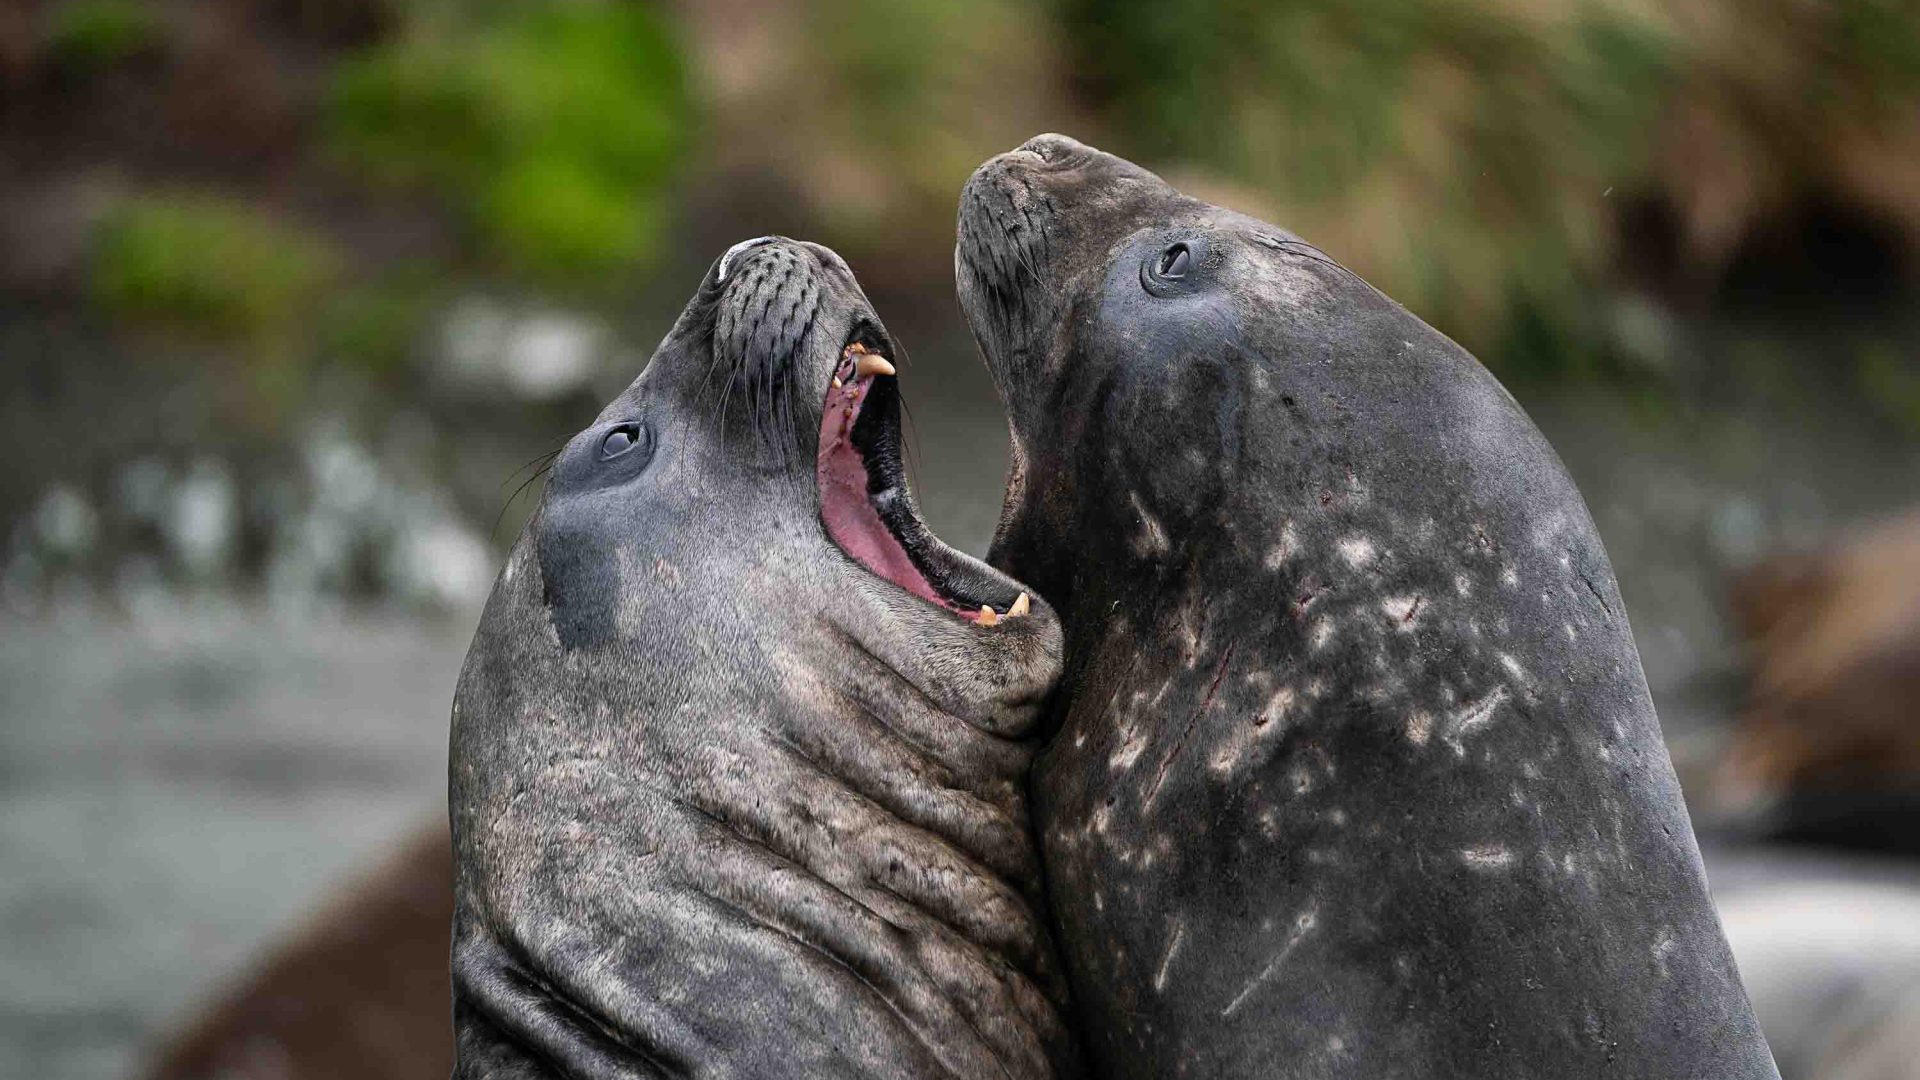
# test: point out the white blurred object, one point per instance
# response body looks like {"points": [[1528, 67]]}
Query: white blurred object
{"points": [[537, 355], [66, 522], [203, 519], [1833, 970], [436, 560]]}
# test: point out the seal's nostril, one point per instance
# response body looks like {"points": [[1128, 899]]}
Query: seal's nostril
{"points": [[733, 252]]}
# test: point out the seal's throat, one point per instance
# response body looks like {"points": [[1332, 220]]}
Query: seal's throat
{"points": [[864, 501]]}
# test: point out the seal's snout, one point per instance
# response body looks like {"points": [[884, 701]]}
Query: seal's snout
{"points": [[1051, 148], [733, 253]]}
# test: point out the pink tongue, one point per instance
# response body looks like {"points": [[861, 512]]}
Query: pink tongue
{"points": [[850, 517]]}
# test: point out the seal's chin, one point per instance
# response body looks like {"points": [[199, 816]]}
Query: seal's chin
{"points": [[864, 502]]}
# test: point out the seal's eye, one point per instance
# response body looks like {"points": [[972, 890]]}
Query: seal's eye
{"points": [[1175, 270], [620, 440]]}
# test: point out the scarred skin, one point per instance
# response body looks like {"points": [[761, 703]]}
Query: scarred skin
{"points": [[1354, 770], [726, 803]]}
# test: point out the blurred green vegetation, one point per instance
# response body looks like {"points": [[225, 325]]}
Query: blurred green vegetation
{"points": [[926, 89], [548, 135], [213, 267], [1458, 150], [1480, 160], [553, 127], [1473, 156], [1893, 381], [86, 35]]}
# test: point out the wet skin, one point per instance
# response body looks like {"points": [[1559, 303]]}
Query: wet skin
{"points": [[1353, 770]]}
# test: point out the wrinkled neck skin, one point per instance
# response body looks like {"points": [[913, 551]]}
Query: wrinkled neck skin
{"points": [[1353, 769], [726, 803]]}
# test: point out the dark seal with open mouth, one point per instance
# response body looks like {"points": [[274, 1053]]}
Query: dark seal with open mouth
{"points": [[740, 749], [1355, 771]]}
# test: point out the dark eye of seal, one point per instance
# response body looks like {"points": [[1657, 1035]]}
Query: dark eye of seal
{"points": [[1172, 270], [621, 440]]}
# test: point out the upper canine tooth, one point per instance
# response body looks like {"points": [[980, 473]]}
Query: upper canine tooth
{"points": [[1021, 606], [870, 364], [836, 382], [988, 617]]}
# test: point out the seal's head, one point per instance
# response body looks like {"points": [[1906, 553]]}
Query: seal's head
{"points": [[770, 412], [1355, 770], [1107, 302], [739, 751]]}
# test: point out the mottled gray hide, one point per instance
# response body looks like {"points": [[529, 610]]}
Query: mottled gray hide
{"points": [[1354, 770], [725, 803]]}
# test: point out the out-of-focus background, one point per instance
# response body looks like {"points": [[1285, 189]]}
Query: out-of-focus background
{"points": [[293, 291]]}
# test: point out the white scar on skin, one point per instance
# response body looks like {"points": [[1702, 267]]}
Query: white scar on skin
{"points": [[1269, 824], [1487, 858], [1173, 946], [1473, 716], [1283, 549], [1266, 723], [1401, 610], [1302, 779], [1277, 707], [1152, 539], [1322, 632], [1419, 727], [1128, 753], [1357, 550], [1663, 946], [1301, 925]]}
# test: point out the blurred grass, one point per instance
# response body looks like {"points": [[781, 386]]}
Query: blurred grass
{"points": [[1458, 152], [88, 35], [212, 267], [548, 134], [553, 127], [1481, 160], [1475, 157], [1893, 382], [925, 89]]}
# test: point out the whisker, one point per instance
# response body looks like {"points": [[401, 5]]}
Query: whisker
{"points": [[493, 532], [541, 459]]}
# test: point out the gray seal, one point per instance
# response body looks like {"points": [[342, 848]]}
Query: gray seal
{"points": [[739, 752], [1354, 770]]}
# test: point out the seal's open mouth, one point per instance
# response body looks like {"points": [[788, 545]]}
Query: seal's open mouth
{"points": [[864, 500]]}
